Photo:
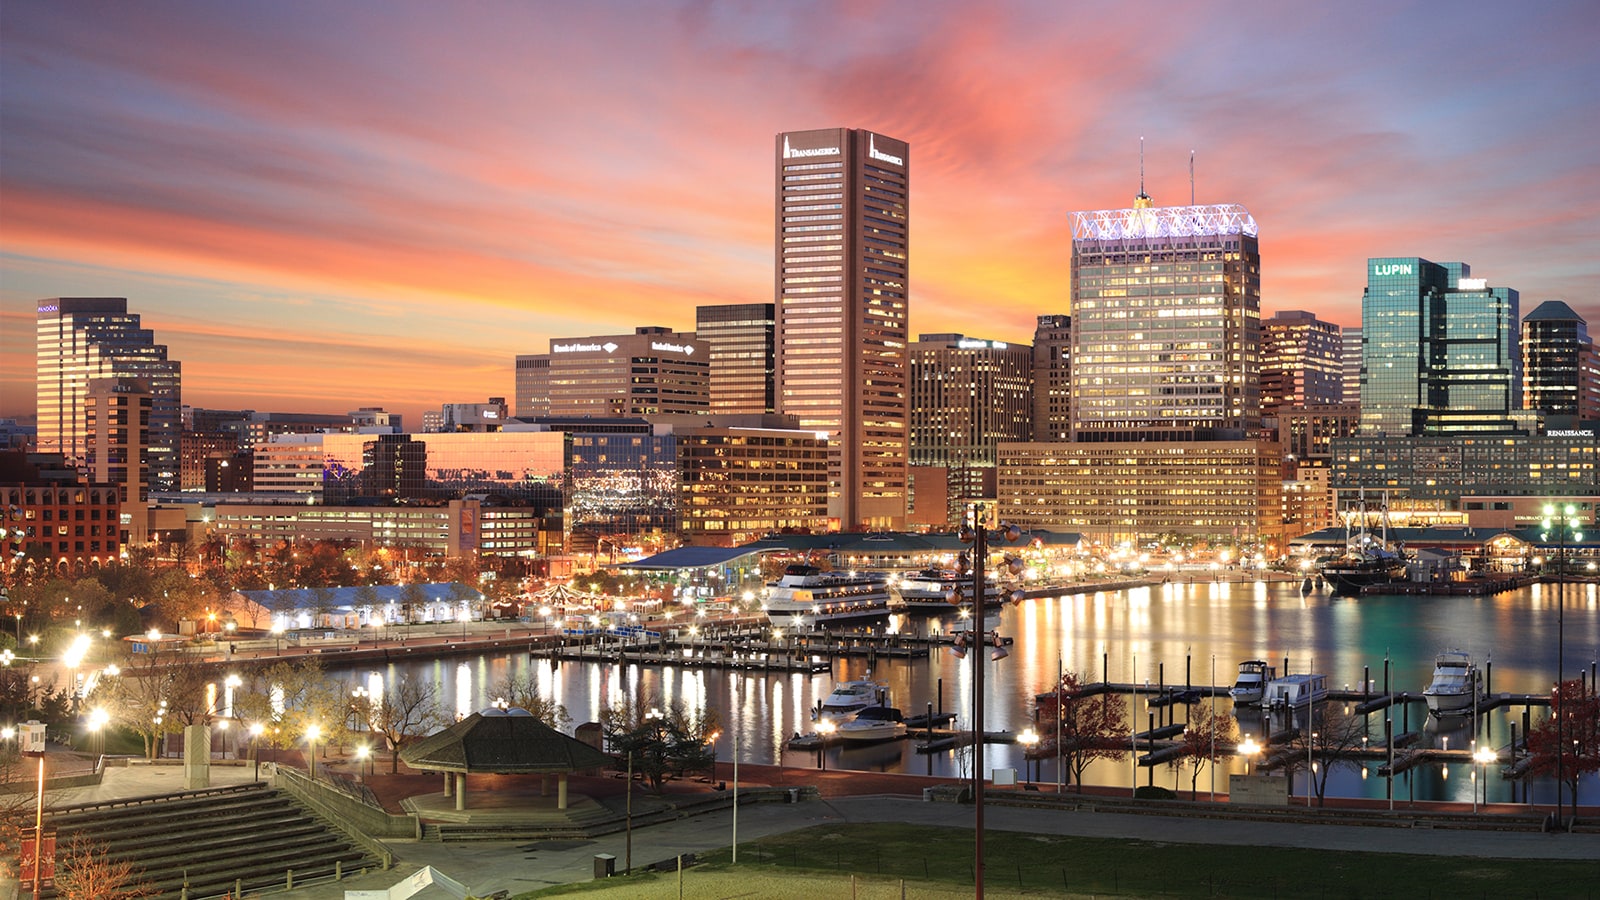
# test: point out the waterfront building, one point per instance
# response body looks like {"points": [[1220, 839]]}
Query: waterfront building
{"points": [[1052, 379], [1440, 351], [1302, 361], [1307, 433], [967, 396], [742, 342], [1351, 359], [262, 427], [1134, 490], [652, 371], [83, 339], [841, 288], [738, 483], [1425, 478], [58, 519], [1166, 323], [448, 528], [1561, 369]]}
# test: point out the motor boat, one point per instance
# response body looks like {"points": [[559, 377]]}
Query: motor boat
{"points": [[875, 723], [1455, 688], [851, 697], [1251, 685]]}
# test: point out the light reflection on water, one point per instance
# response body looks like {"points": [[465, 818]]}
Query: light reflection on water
{"points": [[1175, 634]]}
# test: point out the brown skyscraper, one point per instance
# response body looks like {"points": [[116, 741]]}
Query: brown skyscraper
{"points": [[842, 240]]}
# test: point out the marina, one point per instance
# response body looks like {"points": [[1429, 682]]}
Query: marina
{"points": [[1181, 642]]}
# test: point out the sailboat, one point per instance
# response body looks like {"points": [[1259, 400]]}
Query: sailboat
{"points": [[1368, 559]]}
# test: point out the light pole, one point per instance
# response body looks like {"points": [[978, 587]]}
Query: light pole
{"points": [[255, 746], [825, 729], [312, 733], [1028, 739], [1482, 756], [1567, 523], [978, 535], [1248, 750]]}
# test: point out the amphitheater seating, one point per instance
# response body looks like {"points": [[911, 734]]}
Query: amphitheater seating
{"points": [[210, 840]]}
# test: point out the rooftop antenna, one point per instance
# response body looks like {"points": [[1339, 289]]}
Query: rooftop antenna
{"points": [[1191, 177], [1143, 200]]}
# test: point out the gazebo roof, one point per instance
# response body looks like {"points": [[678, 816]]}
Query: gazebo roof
{"points": [[503, 742]]}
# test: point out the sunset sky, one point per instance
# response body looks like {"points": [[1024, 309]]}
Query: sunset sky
{"points": [[320, 206]]}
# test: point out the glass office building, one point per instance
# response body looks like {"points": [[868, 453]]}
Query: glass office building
{"points": [[1440, 351], [1166, 323]]}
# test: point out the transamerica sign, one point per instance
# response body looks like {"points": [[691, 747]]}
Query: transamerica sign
{"points": [[797, 153]]}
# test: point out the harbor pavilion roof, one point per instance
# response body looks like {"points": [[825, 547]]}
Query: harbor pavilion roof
{"points": [[502, 742]]}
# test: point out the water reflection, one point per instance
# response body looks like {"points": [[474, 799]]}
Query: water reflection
{"points": [[1173, 634]]}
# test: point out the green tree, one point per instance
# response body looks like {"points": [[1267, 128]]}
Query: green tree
{"points": [[659, 742]]}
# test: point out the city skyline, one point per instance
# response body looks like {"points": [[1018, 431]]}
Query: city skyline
{"points": [[414, 199]]}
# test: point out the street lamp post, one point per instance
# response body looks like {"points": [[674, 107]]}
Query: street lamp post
{"points": [[1482, 756], [1028, 739], [1248, 750], [825, 729], [1566, 523], [255, 746], [312, 733], [978, 535]]}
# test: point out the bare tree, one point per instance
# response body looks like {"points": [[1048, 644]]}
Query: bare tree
{"points": [[1207, 738], [139, 699], [660, 741], [1334, 742], [408, 707], [1091, 726], [87, 872], [522, 693]]}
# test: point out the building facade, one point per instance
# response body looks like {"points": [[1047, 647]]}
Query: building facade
{"points": [[737, 484], [650, 372], [842, 289], [1425, 477], [82, 339], [1052, 378], [53, 518], [1440, 351], [1302, 361], [117, 420], [1166, 323], [1131, 491], [1352, 366], [532, 386], [742, 342], [1561, 369]]}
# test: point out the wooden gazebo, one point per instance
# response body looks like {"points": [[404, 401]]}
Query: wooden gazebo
{"points": [[501, 742]]}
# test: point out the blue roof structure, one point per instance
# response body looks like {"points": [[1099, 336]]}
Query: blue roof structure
{"points": [[348, 598], [690, 558]]}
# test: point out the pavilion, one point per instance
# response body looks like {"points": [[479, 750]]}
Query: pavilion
{"points": [[502, 742]]}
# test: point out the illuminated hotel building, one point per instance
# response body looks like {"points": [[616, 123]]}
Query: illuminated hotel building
{"points": [[737, 484], [1440, 352], [841, 286], [650, 372], [81, 339], [1052, 378], [1166, 323], [1302, 361], [741, 338]]}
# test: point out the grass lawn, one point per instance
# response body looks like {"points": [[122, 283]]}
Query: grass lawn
{"points": [[935, 862]]}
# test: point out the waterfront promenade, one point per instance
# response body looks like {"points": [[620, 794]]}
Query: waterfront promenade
{"points": [[524, 865]]}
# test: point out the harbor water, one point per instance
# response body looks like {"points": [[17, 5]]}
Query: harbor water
{"points": [[1177, 634]]}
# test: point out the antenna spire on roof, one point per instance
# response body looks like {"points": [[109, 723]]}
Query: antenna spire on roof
{"points": [[1143, 200], [1191, 177]]}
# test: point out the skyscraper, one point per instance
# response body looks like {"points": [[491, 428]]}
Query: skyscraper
{"points": [[80, 339], [1561, 372], [1352, 365], [1052, 378], [1301, 361], [1166, 323], [742, 342], [841, 287], [1439, 351], [655, 370]]}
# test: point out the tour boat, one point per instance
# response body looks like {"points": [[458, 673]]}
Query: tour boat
{"points": [[1455, 688], [934, 590], [806, 597], [875, 723], [1251, 685]]}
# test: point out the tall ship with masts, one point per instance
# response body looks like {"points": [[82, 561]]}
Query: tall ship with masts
{"points": [[1368, 559]]}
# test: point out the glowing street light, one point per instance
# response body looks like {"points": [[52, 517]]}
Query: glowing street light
{"points": [[1482, 756], [312, 734], [825, 730], [1248, 750], [1029, 739]]}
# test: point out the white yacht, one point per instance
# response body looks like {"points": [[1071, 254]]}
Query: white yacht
{"points": [[875, 723], [1251, 685], [1455, 688], [851, 697], [806, 597], [934, 590]]}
